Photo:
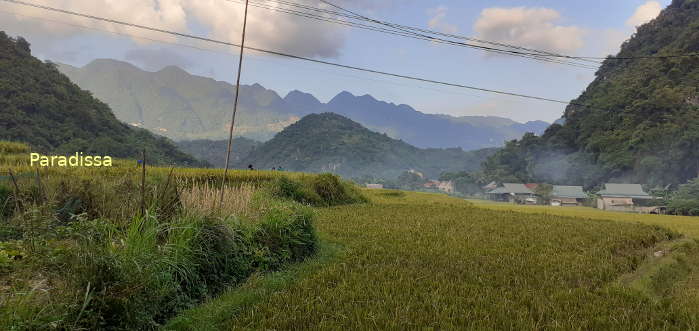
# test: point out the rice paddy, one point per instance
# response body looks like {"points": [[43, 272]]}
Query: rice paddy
{"points": [[413, 260]]}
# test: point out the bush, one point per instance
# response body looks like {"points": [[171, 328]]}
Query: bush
{"points": [[286, 234], [318, 190], [686, 200], [287, 188], [140, 276]]}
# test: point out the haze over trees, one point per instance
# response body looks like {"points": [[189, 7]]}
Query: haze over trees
{"points": [[642, 123]]}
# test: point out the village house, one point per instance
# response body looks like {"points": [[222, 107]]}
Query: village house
{"points": [[567, 196], [624, 198], [514, 193], [444, 186], [491, 186], [374, 186]]}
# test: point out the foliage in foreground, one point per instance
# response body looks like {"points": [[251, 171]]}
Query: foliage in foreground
{"points": [[99, 274], [75, 253]]}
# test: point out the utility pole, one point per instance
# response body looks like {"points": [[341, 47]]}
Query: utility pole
{"points": [[235, 105]]}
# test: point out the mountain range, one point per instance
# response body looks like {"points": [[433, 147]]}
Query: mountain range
{"points": [[181, 106], [329, 142]]}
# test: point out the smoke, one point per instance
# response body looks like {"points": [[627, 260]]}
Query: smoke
{"points": [[577, 168]]}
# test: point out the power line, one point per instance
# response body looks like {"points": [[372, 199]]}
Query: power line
{"points": [[545, 53], [532, 52], [412, 35], [226, 52], [397, 30], [291, 55]]}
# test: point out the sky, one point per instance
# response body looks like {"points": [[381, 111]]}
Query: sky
{"points": [[582, 28]]}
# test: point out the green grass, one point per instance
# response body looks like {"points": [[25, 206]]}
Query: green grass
{"points": [[430, 261], [214, 314]]}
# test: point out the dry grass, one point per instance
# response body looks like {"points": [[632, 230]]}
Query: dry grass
{"points": [[204, 197]]}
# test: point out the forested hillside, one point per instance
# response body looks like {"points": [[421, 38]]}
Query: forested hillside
{"points": [[40, 106], [332, 143], [641, 120], [214, 151]]}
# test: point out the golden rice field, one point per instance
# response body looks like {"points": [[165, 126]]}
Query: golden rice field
{"points": [[412, 260], [684, 224]]}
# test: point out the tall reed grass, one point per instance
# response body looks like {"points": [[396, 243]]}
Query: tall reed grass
{"points": [[205, 197]]}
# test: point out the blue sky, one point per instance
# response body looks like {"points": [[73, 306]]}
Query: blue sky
{"points": [[591, 28]]}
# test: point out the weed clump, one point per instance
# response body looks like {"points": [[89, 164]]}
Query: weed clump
{"points": [[320, 190]]}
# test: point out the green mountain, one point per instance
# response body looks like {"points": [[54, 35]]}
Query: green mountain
{"points": [[181, 106], [173, 103], [642, 123], [41, 107], [214, 151], [329, 142]]}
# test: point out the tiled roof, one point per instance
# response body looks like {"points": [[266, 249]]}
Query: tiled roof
{"points": [[624, 191], [575, 192], [512, 188]]}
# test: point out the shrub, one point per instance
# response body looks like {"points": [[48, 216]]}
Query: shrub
{"points": [[290, 189], [286, 233], [318, 190], [140, 276]]}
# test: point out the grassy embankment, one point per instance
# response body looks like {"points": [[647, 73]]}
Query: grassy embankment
{"points": [[413, 260], [75, 252]]}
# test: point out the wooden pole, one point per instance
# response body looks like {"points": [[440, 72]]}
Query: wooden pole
{"points": [[16, 197], [235, 104], [42, 194], [143, 183]]}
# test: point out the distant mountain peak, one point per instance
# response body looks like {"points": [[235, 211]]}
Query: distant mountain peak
{"points": [[110, 63], [369, 97], [344, 94], [329, 142], [171, 69]]}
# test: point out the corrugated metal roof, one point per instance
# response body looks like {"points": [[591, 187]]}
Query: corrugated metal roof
{"points": [[512, 188], [575, 192], [624, 191]]}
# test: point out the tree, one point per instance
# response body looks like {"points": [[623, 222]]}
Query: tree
{"points": [[544, 191], [686, 200]]}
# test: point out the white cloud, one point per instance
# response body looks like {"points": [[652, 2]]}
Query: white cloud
{"points": [[221, 19], [612, 40], [645, 13], [529, 27], [437, 22]]}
